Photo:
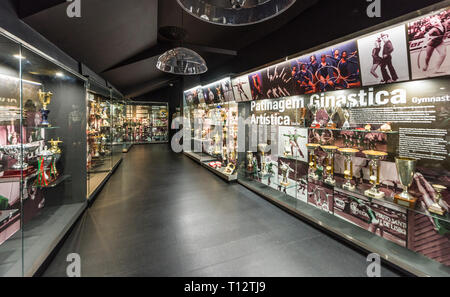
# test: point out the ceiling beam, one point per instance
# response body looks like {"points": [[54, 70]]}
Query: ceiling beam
{"points": [[149, 86], [26, 8]]}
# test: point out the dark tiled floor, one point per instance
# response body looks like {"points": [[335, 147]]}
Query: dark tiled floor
{"points": [[161, 214]]}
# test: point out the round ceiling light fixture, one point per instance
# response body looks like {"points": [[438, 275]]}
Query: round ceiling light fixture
{"points": [[235, 12], [181, 61]]}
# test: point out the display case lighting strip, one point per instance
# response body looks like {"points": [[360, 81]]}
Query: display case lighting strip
{"points": [[5, 76]]}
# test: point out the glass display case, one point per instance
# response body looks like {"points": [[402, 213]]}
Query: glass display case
{"points": [[43, 153], [211, 115], [148, 122], [105, 134]]}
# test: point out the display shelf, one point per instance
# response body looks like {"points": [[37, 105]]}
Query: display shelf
{"points": [[220, 172], [395, 254], [56, 182], [355, 130], [7, 214], [388, 199], [43, 128]]}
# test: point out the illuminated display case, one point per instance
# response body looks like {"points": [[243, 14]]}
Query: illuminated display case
{"points": [[105, 134], [353, 137], [211, 115], [148, 122], [43, 154]]}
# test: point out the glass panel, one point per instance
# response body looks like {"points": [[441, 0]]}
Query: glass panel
{"points": [[99, 160], [54, 123], [148, 122], [11, 136], [117, 130]]}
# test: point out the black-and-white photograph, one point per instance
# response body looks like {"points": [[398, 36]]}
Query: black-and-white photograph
{"points": [[383, 57], [428, 45]]}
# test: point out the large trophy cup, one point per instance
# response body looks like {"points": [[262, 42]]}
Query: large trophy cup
{"points": [[312, 160], [436, 208], [331, 112], [19, 152], [374, 168], [348, 168], [249, 161], [406, 168], [217, 149], [262, 148], [330, 150], [45, 158], [45, 98]]}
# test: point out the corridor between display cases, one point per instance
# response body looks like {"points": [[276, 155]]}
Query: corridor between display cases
{"points": [[162, 214]]}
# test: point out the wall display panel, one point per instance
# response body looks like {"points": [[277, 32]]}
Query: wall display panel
{"points": [[384, 57], [334, 68], [217, 92], [241, 89], [428, 45]]}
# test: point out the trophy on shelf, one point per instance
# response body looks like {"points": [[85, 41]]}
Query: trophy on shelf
{"points": [[314, 109], [346, 113], [312, 160], [330, 150], [287, 148], [19, 152], [45, 158], [217, 149], [348, 168], [230, 169], [249, 161], [45, 98], [331, 112], [262, 148], [285, 169], [56, 151], [406, 168], [436, 208], [374, 169]]}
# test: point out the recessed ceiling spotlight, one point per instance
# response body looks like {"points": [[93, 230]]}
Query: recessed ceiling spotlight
{"points": [[59, 74], [18, 56]]}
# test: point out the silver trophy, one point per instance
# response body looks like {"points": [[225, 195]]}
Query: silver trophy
{"points": [[19, 152], [314, 109], [347, 118], [262, 148], [47, 157]]}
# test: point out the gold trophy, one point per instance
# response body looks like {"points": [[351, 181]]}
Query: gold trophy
{"points": [[249, 161], [348, 168], [55, 146], [436, 207], [374, 168], [45, 98], [330, 150], [406, 168], [262, 149], [312, 160], [230, 169]]}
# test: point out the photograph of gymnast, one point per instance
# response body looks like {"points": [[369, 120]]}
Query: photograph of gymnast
{"points": [[336, 68], [256, 86], [428, 45], [383, 57], [213, 93], [277, 81], [241, 89]]}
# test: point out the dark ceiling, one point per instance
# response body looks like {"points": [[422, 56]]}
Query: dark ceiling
{"points": [[119, 39]]}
